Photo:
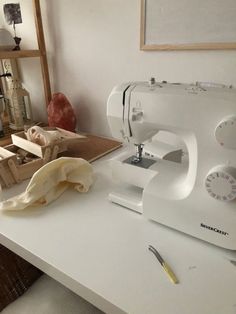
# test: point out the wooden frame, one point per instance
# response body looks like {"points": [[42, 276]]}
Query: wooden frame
{"points": [[42, 49], [40, 52], [180, 46]]}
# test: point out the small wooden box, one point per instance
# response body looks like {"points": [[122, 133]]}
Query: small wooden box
{"points": [[25, 170], [6, 176], [10, 171], [66, 139]]}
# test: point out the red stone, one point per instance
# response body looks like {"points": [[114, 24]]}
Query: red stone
{"points": [[61, 113]]}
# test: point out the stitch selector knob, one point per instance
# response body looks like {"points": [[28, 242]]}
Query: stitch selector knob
{"points": [[220, 183], [225, 132]]}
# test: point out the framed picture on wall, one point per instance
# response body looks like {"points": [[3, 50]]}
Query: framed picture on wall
{"points": [[188, 24]]}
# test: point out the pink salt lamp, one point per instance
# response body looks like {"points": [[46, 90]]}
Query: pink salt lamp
{"points": [[61, 113]]}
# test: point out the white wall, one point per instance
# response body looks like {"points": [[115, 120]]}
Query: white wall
{"points": [[94, 45]]}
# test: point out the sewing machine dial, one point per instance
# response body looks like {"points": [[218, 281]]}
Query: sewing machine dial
{"points": [[225, 132], [220, 183]]}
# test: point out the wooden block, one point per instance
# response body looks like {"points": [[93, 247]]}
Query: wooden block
{"points": [[7, 180], [14, 170], [47, 155], [55, 152], [7, 177], [5, 153], [27, 170], [20, 140]]}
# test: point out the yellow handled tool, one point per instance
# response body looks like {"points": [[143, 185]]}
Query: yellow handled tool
{"points": [[165, 266]]}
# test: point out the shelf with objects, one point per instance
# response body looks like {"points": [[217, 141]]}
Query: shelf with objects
{"points": [[11, 87]]}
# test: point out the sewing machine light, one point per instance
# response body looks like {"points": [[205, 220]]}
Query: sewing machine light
{"points": [[18, 106]]}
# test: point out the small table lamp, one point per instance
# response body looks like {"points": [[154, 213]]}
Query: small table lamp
{"points": [[18, 106]]}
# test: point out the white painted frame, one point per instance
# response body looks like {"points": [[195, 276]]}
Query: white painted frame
{"points": [[205, 45]]}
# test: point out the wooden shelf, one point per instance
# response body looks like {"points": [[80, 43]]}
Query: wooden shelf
{"points": [[40, 52], [19, 54]]}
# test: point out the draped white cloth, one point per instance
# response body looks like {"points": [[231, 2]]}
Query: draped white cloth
{"points": [[50, 181]]}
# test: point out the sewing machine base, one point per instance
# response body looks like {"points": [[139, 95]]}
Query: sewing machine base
{"points": [[202, 227], [129, 197], [185, 216], [153, 192]]}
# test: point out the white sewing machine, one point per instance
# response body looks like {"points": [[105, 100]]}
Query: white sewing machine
{"points": [[188, 180]]}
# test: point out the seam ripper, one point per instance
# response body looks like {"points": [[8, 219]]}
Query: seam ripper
{"points": [[165, 266]]}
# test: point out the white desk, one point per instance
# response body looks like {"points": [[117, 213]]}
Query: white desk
{"points": [[99, 250]]}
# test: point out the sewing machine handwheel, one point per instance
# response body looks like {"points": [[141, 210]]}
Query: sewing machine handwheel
{"points": [[220, 183], [225, 132]]}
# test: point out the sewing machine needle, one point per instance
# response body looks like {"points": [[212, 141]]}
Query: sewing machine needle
{"points": [[165, 266]]}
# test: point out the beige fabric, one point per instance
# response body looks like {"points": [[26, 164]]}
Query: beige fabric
{"points": [[50, 181], [39, 136]]}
